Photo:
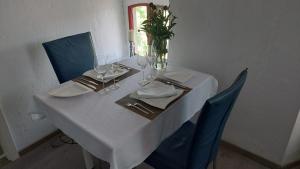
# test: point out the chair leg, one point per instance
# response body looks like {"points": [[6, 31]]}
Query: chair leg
{"points": [[214, 164]]}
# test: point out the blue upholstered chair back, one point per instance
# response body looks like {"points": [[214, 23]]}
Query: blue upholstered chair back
{"points": [[71, 56], [211, 124]]}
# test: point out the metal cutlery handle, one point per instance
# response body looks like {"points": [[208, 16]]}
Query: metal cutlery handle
{"points": [[85, 84], [132, 105], [170, 82], [89, 81], [144, 107], [140, 109]]}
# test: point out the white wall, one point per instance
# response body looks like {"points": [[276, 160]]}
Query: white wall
{"points": [[222, 38], [24, 66], [6, 141]]}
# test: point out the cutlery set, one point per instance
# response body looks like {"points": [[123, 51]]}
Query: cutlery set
{"points": [[88, 83], [174, 83], [144, 109], [140, 107]]}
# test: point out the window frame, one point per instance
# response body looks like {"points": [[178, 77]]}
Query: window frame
{"points": [[131, 20], [130, 13]]}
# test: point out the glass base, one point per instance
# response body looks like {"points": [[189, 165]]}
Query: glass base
{"points": [[143, 83], [160, 66], [115, 86]]}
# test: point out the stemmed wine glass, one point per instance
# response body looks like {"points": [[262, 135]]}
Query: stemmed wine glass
{"points": [[101, 69], [115, 67], [142, 62]]}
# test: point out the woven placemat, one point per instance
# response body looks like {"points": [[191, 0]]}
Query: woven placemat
{"points": [[155, 111], [98, 85]]}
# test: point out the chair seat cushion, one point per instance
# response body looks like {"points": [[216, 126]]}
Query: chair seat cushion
{"points": [[174, 151]]}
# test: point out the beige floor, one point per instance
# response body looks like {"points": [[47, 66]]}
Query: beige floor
{"points": [[3, 161], [70, 157]]}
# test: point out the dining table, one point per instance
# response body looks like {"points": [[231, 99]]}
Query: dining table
{"points": [[108, 131]]}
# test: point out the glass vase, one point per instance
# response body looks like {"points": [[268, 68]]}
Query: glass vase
{"points": [[159, 49]]}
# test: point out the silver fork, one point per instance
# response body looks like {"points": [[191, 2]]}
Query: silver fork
{"points": [[144, 107], [86, 84], [89, 81], [134, 106], [178, 85]]}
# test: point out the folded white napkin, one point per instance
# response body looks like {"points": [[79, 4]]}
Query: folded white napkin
{"points": [[180, 76], [109, 75], [155, 101], [156, 90]]}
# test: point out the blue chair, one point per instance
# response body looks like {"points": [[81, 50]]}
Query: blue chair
{"points": [[196, 146], [71, 56]]}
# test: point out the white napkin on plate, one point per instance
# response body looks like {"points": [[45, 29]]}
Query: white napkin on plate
{"points": [[109, 75], [180, 76], [160, 102], [156, 90]]}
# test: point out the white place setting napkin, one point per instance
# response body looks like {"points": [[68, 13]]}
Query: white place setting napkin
{"points": [[109, 75], [157, 94]]}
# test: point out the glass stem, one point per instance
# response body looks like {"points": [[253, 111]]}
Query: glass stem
{"points": [[143, 75], [103, 84]]}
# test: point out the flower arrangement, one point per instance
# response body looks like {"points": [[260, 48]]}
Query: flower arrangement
{"points": [[159, 29]]}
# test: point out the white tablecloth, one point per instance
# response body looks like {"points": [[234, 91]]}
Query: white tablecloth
{"points": [[115, 134]]}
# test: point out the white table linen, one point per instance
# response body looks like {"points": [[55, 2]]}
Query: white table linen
{"points": [[180, 76], [115, 134]]}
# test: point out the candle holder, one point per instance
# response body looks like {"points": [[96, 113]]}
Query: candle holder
{"points": [[131, 42], [131, 48]]}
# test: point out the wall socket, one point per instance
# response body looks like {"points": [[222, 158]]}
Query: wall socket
{"points": [[37, 116]]}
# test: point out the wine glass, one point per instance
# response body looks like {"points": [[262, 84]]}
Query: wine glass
{"points": [[101, 69], [151, 61], [115, 68], [142, 62]]}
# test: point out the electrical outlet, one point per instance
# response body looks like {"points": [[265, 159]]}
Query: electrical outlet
{"points": [[37, 116]]}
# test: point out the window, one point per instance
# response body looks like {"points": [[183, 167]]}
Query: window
{"points": [[137, 15]]}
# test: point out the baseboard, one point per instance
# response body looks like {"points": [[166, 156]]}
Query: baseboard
{"points": [[39, 142], [257, 158], [292, 165]]}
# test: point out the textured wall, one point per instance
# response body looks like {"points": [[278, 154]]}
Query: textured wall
{"points": [[24, 66], [7, 144], [222, 38]]}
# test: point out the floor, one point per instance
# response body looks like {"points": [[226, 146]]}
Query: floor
{"points": [[3, 161], [70, 157]]}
